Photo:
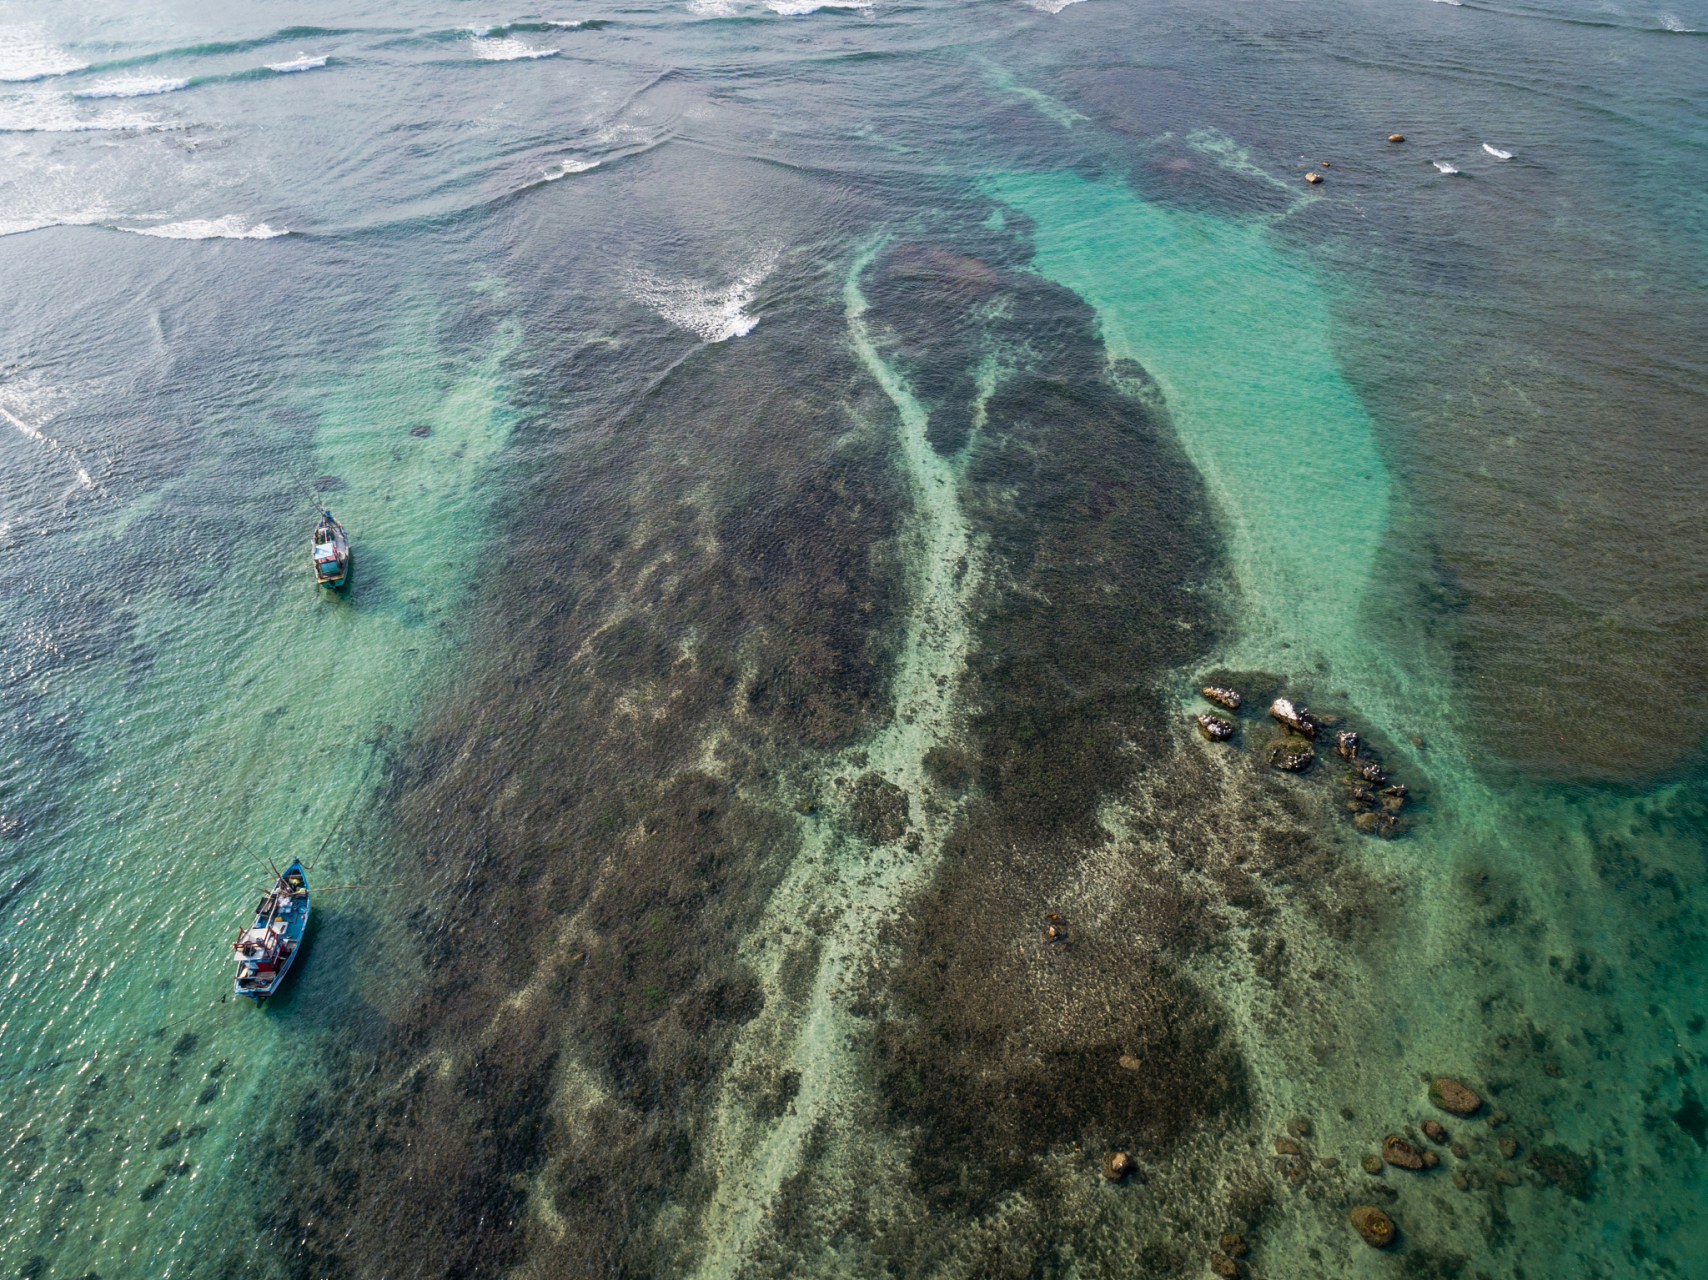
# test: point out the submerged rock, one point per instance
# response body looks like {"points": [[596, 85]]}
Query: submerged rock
{"points": [[1234, 1245], [1214, 728], [1400, 1153], [1372, 772], [1346, 744], [1372, 1164], [1287, 1147], [1375, 1227], [1221, 696], [1508, 1148], [1397, 791], [1291, 753], [1224, 1266], [1448, 1094], [1117, 1165], [881, 808], [1565, 1169], [1296, 718], [1299, 1128], [1433, 1130], [1506, 1177]]}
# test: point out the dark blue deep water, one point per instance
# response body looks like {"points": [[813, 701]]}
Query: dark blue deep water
{"points": [[803, 462]]}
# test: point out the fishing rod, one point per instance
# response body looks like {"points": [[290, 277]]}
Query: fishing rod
{"points": [[329, 888], [265, 866]]}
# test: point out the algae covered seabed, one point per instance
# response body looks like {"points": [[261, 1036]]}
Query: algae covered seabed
{"points": [[803, 467]]}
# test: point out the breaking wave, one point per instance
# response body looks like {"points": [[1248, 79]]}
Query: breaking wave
{"points": [[710, 313], [507, 49], [135, 87], [1497, 153], [301, 63], [800, 8], [230, 227], [1445, 166]]}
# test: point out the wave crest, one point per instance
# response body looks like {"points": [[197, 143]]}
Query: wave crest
{"points": [[506, 49], [134, 87], [231, 227]]}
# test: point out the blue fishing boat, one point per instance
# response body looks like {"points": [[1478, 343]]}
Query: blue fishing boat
{"points": [[331, 552], [266, 947]]}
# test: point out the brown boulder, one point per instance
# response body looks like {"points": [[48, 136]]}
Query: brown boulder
{"points": [[1117, 1165], [1313, 178], [1222, 697], [1376, 1227], [1450, 1095], [1433, 1130], [1400, 1153], [1396, 137]]}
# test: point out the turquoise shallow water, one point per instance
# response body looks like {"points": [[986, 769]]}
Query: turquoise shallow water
{"points": [[801, 462]]}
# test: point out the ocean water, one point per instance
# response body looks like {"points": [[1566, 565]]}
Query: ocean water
{"points": [[803, 461]]}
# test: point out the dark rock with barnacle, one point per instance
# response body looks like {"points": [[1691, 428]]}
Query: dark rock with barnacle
{"points": [[1214, 728], [1222, 697], [1346, 744], [1372, 772], [1296, 718]]}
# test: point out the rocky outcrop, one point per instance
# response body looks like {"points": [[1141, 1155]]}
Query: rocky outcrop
{"points": [[1293, 754], [1214, 727], [1372, 772], [1346, 744], [1375, 1227], [1222, 696], [1296, 718], [1400, 1153], [1450, 1095]]}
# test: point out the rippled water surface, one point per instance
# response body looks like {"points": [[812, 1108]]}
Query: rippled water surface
{"points": [[803, 461]]}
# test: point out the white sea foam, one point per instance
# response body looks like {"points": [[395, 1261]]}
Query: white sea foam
{"points": [[1454, 3], [231, 227], [54, 113], [1671, 22], [1497, 153], [302, 63], [1051, 6], [135, 87], [800, 8], [28, 404], [712, 8], [1444, 165], [507, 49], [24, 55], [566, 167], [711, 313]]}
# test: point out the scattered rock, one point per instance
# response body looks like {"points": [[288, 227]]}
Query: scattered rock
{"points": [[1330, 1162], [1396, 137], [1214, 727], [1055, 928], [1295, 718], [1397, 791], [1433, 1130], [1370, 823], [1417, 741], [1497, 1118], [1376, 1227], [1461, 1181], [1506, 1177], [1372, 772], [1222, 697], [1130, 1063], [1299, 1128], [1372, 1164], [1223, 1265], [1313, 177], [1346, 744], [421, 430], [1508, 1148], [1450, 1095], [881, 808], [1295, 1172], [1392, 804], [1551, 1069], [1234, 1245], [1287, 1147], [1363, 796], [1117, 1165], [1430, 1159], [1459, 1150], [1400, 1153], [1291, 753], [1565, 1169]]}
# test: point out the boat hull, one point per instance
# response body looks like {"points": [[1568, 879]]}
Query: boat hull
{"points": [[269, 946]]}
